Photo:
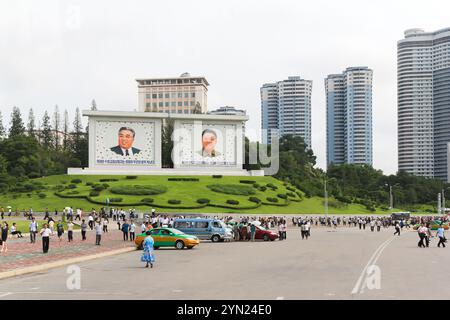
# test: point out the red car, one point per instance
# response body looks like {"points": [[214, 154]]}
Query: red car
{"points": [[264, 234]]}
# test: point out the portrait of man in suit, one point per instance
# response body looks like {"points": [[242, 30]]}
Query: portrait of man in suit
{"points": [[209, 141], [126, 140]]}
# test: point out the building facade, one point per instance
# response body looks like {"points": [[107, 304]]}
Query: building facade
{"points": [[349, 116], [423, 82], [286, 106], [228, 110], [183, 94]]}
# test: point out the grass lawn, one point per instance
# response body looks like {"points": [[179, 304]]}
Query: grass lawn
{"points": [[188, 192]]}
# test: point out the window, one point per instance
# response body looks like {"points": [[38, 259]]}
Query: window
{"points": [[186, 95], [201, 224], [167, 95], [147, 96], [186, 103], [193, 95], [167, 104], [147, 104], [154, 96], [216, 224], [165, 232], [173, 103], [192, 103], [180, 103], [160, 95], [161, 104], [180, 95]]}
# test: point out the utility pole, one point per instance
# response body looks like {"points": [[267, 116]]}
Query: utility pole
{"points": [[326, 198], [391, 199], [443, 202]]}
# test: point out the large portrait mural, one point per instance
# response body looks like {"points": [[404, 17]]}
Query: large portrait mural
{"points": [[125, 143], [204, 144]]}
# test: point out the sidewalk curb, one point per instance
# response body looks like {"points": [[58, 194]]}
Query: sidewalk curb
{"points": [[56, 264]]}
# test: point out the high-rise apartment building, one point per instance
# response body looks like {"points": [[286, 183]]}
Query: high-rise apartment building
{"points": [[349, 116], [423, 91], [184, 94], [286, 106]]}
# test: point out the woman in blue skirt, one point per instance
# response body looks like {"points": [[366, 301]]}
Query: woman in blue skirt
{"points": [[147, 255]]}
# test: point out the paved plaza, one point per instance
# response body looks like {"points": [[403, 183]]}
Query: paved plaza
{"points": [[330, 265]]}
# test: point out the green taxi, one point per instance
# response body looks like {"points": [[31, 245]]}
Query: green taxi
{"points": [[168, 237]]}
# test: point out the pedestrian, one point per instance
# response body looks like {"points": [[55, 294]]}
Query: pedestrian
{"points": [[2, 213], [253, 231], [143, 227], [397, 228], [78, 214], [280, 230], [440, 234], [45, 233], [105, 225], [98, 233], [147, 255], [14, 231], [378, 225], [33, 230], [51, 225], [4, 236], [422, 233], [84, 227], [125, 229], [132, 231], [70, 231], [372, 225], [91, 221], [60, 230], [307, 230]]}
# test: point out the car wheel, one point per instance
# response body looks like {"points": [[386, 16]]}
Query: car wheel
{"points": [[215, 238], [179, 244], [266, 237], [156, 248], [190, 247], [140, 247], [272, 239]]}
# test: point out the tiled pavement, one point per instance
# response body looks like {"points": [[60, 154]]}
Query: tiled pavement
{"points": [[21, 253]]}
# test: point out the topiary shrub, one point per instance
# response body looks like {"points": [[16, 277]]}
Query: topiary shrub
{"points": [[147, 200], [262, 188], [256, 185], [131, 177], [270, 199], [139, 190], [247, 181], [217, 176], [203, 201], [42, 195], [73, 192], [282, 196], [71, 186], [64, 181], [107, 180], [291, 194], [272, 186], [89, 183], [254, 199], [76, 181], [105, 185], [115, 199], [183, 179], [291, 189], [98, 187], [233, 202], [173, 201], [235, 189], [94, 193]]}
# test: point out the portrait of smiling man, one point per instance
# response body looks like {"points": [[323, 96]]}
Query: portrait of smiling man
{"points": [[209, 141], [126, 140]]}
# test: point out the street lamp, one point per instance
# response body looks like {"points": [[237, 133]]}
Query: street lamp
{"points": [[326, 197]]}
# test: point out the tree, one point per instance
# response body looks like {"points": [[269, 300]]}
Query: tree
{"points": [[2, 128], [17, 128], [93, 105], [197, 108], [56, 127], [46, 132], [31, 126], [66, 130], [79, 143]]}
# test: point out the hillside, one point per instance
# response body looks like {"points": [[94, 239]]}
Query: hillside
{"points": [[205, 194]]}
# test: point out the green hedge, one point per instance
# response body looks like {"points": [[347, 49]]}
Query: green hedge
{"points": [[217, 176], [183, 179], [42, 195], [270, 199], [108, 180], [89, 183], [131, 177], [272, 186], [115, 200], [174, 201], [282, 196], [94, 193], [139, 190], [203, 201], [262, 188], [254, 199], [233, 202], [71, 186], [247, 181], [148, 200], [76, 181], [235, 189]]}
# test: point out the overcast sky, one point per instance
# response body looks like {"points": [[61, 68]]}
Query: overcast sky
{"points": [[69, 52]]}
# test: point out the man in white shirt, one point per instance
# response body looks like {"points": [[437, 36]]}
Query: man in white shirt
{"points": [[132, 231], [98, 233], [45, 233]]}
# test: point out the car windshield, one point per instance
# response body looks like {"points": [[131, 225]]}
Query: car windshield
{"points": [[262, 228]]}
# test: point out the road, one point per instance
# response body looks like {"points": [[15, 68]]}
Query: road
{"points": [[330, 265]]}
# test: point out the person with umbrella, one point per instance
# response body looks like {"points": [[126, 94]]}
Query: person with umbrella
{"points": [[147, 255]]}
